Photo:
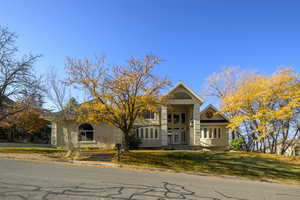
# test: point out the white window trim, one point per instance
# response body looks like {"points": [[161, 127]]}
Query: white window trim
{"points": [[143, 129]]}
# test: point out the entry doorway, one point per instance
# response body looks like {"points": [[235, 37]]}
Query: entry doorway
{"points": [[176, 136]]}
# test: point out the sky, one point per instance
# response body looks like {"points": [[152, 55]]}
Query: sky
{"points": [[194, 37]]}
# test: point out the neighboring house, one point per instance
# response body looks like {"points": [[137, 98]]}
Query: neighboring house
{"points": [[292, 150], [180, 124]]}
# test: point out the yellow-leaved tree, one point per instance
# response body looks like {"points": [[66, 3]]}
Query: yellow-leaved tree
{"points": [[268, 107], [118, 94]]}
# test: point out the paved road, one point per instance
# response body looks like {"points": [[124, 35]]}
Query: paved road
{"points": [[25, 180]]}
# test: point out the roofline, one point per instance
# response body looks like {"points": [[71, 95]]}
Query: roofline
{"points": [[189, 89], [213, 107]]}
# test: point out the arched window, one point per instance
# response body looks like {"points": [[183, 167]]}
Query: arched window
{"points": [[86, 132]]}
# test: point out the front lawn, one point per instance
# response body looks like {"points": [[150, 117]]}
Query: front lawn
{"points": [[245, 164], [30, 149]]}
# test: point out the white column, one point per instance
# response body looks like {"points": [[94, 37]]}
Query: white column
{"points": [[196, 117], [164, 126], [54, 134]]}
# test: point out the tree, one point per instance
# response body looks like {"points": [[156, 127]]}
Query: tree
{"points": [[220, 85], [119, 95], [266, 108], [56, 93], [19, 87]]}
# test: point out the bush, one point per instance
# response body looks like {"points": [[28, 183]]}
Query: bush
{"points": [[236, 144], [133, 142]]}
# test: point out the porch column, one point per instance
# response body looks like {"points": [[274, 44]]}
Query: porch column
{"points": [[164, 126], [196, 117], [54, 134]]}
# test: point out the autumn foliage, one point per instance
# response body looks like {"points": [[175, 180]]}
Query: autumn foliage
{"points": [[264, 109], [118, 94]]}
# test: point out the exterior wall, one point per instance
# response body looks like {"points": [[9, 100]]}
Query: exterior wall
{"points": [[181, 99], [293, 150], [105, 136], [214, 142], [152, 142]]}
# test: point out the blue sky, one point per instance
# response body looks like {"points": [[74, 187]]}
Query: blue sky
{"points": [[196, 38]]}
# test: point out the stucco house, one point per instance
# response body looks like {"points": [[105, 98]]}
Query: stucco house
{"points": [[180, 124]]}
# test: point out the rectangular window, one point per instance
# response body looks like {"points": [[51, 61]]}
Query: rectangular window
{"points": [[141, 133], [137, 133], [183, 136], [169, 118], [156, 133], [210, 133], [205, 132], [219, 132], [176, 138], [176, 118], [146, 136], [215, 132], [151, 132], [182, 118], [148, 115]]}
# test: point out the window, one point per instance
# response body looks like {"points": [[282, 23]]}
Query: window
{"points": [[176, 138], [169, 118], [201, 133], [215, 132], [219, 132], [176, 118], [86, 132], [156, 133], [148, 115], [146, 136], [151, 132], [141, 133], [210, 133], [183, 136], [205, 132], [182, 118]]}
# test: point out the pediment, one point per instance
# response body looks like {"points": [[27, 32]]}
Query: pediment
{"points": [[181, 91], [210, 114]]}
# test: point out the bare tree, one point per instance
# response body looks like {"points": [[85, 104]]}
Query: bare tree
{"points": [[57, 94], [19, 87]]}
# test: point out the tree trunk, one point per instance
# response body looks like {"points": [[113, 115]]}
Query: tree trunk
{"points": [[126, 141]]}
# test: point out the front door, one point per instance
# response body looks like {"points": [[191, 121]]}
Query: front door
{"points": [[176, 128]]}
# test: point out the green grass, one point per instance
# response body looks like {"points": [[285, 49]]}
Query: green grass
{"points": [[252, 165], [30, 149]]}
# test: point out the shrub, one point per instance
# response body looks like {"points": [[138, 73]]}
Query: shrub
{"points": [[236, 144], [133, 142]]}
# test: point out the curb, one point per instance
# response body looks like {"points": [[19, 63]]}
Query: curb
{"points": [[115, 165]]}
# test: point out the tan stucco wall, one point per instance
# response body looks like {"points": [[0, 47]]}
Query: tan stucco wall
{"points": [[215, 142], [105, 136]]}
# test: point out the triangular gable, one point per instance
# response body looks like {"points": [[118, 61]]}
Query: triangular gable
{"points": [[209, 114], [189, 90]]}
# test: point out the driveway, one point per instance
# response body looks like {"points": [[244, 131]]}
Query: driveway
{"points": [[27, 180]]}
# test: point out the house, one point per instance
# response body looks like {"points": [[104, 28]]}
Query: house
{"points": [[292, 150], [180, 124]]}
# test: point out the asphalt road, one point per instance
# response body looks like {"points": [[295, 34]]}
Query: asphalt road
{"points": [[25, 180]]}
